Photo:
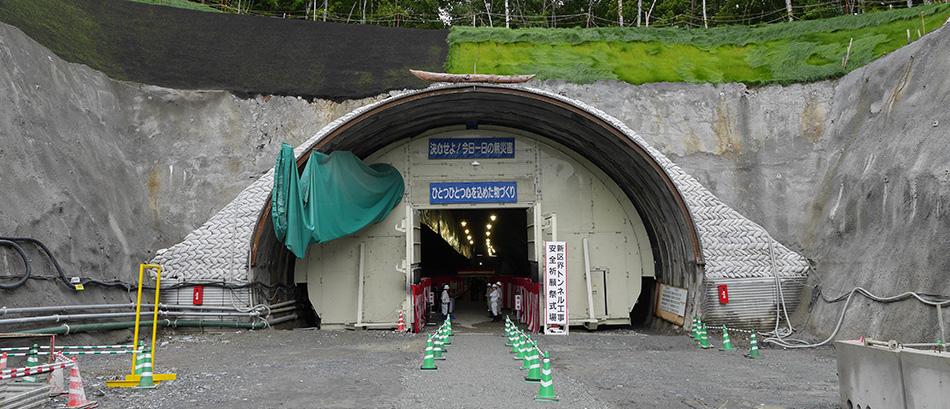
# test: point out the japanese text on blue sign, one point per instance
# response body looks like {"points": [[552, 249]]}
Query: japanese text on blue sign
{"points": [[469, 148], [473, 192], [555, 280]]}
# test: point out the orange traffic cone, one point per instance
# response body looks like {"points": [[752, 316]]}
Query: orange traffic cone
{"points": [[401, 327], [3, 361], [77, 396]]}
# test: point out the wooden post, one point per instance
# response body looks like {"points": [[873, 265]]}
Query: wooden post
{"points": [[844, 63]]}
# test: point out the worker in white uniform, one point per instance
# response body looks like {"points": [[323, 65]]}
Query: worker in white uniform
{"points": [[446, 300], [495, 303], [488, 291]]}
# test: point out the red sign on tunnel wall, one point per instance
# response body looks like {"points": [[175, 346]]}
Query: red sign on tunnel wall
{"points": [[723, 294], [199, 294]]}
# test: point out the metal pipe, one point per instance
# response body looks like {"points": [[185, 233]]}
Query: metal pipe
{"points": [[64, 308], [279, 310], [57, 318], [67, 329]]}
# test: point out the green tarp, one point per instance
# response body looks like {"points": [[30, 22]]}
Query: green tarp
{"points": [[335, 195]]}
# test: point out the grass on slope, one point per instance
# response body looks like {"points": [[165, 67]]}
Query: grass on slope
{"points": [[776, 53], [182, 4]]}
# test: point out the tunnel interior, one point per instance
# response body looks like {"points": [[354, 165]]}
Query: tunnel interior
{"points": [[498, 243]]}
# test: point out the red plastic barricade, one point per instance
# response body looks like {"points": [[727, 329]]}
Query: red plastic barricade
{"points": [[420, 302], [529, 313]]}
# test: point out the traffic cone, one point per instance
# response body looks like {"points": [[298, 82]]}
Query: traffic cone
{"points": [[546, 391], [401, 326], [693, 328], [522, 341], [753, 348], [32, 361], [699, 329], [703, 338], [514, 345], [449, 326], [3, 361], [57, 385], [145, 380], [139, 363], [508, 332], [428, 363], [528, 347], [534, 370], [726, 343], [445, 340], [77, 396], [437, 346]]}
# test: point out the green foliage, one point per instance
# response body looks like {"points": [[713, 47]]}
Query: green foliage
{"points": [[182, 4], [800, 51]]}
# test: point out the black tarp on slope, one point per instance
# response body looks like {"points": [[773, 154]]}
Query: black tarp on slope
{"points": [[187, 49]]}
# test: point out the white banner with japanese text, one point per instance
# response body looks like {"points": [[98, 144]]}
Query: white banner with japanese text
{"points": [[555, 280]]}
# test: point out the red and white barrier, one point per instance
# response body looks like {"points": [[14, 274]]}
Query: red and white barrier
{"points": [[20, 372]]}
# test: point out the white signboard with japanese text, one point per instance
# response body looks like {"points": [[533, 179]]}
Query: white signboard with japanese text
{"points": [[555, 287]]}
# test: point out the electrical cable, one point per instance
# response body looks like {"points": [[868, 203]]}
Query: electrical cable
{"points": [[26, 275], [116, 283], [857, 290]]}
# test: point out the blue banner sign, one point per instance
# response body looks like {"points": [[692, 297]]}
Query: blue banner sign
{"points": [[471, 148], [473, 192]]}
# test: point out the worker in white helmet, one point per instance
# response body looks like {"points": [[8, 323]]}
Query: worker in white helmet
{"points": [[488, 291], [495, 303], [446, 300]]}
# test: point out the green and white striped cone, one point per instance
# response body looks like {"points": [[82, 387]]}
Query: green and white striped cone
{"points": [[437, 346], [428, 363], [694, 330], [528, 347], [448, 322], [699, 329], [534, 370], [514, 346], [146, 381], [139, 364], [703, 338], [753, 348], [546, 390], [32, 361], [726, 343], [508, 333], [522, 345]]}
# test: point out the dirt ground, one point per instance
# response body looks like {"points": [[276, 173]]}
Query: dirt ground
{"points": [[307, 368]]}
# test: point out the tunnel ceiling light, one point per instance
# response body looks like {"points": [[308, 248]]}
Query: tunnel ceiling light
{"points": [[492, 217], [471, 242], [464, 223], [468, 237], [466, 231], [488, 233], [488, 226]]}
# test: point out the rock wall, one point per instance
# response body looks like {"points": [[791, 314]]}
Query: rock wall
{"points": [[851, 173]]}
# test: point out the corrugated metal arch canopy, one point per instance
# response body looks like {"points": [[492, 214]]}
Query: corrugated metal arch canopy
{"points": [[643, 180]]}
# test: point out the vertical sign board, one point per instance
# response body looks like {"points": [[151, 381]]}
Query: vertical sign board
{"points": [[555, 283], [671, 304]]}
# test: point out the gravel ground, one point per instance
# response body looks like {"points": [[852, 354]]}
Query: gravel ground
{"points": [[348, 369]]}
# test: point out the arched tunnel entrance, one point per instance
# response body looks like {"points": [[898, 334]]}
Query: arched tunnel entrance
{"points": [[574, 174]]}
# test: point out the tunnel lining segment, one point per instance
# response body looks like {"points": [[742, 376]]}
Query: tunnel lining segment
{"points": [[698, 236]]}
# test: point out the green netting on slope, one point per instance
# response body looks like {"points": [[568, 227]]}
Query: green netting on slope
{"points": [[335, 195]]}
